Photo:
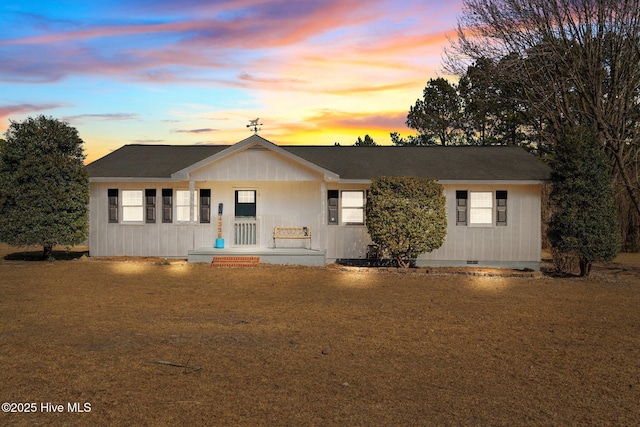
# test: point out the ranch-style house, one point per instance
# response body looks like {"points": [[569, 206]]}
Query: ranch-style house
{"points": [[306, 204]]}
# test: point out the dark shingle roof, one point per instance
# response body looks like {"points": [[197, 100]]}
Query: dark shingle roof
{"points": [[150, 161], [443, 163], [465, 163]]}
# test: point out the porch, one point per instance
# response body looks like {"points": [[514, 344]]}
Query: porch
{"points": [[282, 256]]}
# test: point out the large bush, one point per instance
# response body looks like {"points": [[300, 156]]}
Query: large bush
{"points": [[44, 188], [406, 216]]}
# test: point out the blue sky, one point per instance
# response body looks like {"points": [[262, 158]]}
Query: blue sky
{"points": [[195, 71]]}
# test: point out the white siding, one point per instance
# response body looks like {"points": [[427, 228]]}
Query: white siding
{"points": [[255, 164], [277, 204], [519, 240], [135, 239], [346, 241]]}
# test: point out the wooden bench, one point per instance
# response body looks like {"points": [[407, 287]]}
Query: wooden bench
{"points": [[291, 233]]}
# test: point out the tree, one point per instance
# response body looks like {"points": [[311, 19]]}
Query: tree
{"points": [[366, 142], [406, 216], [44, 188], [577, 63], [492, 113], [584, 219], [418, 140], [482, 111], [437, 115]]}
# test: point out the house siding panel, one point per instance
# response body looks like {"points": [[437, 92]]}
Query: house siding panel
{"points": [[519, 240], [255, 165], [278, 204]]}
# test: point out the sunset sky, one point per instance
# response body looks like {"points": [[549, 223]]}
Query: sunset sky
{"points": [[196, 71]]}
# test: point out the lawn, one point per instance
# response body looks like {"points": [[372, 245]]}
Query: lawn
{"points": [[315, 346]]}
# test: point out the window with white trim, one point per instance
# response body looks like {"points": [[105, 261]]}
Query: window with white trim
{"points": [[183, 206], [132, 206], [352, 211], [480, 208], [477, 207]]}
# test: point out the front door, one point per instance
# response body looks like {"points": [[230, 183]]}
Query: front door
{"points": [[245, 225]]}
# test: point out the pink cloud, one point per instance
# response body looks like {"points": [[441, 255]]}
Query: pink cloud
{"points": [[9, 110], [261, 25], [222, 36], [195, 131]]}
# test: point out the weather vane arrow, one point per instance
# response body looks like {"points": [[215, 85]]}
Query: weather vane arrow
{"points": [[253, 124]]}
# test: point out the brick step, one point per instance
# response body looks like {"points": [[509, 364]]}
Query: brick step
{"points": [[235, 261]]}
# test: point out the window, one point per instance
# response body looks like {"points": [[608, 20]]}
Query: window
{"points": [[205, 206], [245, 203], [132, 206], [481, 207], [332, 203], [476, 207], [167, 205], [183, 206], [112, 194], [353, 207], [150, 205]]}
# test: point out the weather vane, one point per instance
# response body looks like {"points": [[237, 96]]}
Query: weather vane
{"points": [[253, 124]]}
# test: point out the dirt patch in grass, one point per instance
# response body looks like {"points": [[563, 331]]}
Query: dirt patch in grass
{"points": [[33, 253], [316, 346]]}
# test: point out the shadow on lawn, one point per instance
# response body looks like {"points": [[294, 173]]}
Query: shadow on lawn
{"points": [[56, 255]]}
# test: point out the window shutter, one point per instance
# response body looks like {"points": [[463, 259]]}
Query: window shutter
{"points": [[205, 206], [332, 202], [461, 207], [150, 205], [501, 208], [167, 205], [112, 194]]}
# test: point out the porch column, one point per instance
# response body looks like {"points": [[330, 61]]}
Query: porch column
{"points": [[192, 199]]}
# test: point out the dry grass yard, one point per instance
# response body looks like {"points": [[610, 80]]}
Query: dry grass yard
{"points": [[289, 346]]}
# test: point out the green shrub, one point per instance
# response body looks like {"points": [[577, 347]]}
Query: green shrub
{"points": [[406, 216]]}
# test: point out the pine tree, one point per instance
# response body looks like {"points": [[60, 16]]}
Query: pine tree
{"points": [[584, 221], [44, 188]]}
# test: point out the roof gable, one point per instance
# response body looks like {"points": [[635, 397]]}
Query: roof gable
{"points": [[252, 142]]}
